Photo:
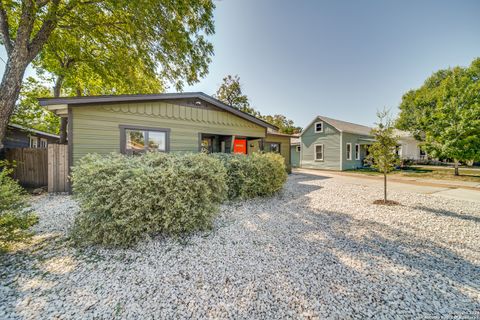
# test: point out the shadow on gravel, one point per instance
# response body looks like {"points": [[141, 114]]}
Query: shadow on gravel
{"points": [[35, 267], [446, 213], [363, 264]]}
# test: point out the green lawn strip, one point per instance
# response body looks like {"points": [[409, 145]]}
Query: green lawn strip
{"points": [[426, 172]]}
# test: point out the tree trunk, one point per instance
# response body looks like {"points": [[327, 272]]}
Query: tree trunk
{"points": [[456, 167], [63, 121], [385, 187], [10, 89], [63, 130], [58, 86]]}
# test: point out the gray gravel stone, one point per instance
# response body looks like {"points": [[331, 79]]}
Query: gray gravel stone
{"points": [[318, 249]]}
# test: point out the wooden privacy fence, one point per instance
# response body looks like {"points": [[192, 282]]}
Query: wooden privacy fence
{"points": [[31, 168], [40, 167], [58, 168]]}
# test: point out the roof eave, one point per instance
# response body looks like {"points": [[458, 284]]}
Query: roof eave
{"points": [[73, 101]]}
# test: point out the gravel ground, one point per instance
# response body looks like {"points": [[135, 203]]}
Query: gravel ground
{"points": [[319, 249]]}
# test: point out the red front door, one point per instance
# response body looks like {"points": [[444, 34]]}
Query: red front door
{"points": [[240, 146]]}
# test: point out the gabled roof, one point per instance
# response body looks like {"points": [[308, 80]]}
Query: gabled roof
{"points": [[342, 126], [89, 100], [17, 126]]}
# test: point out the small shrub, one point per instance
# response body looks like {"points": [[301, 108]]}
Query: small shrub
{"points": [[259, 174], [122, 198], [16, 216]]}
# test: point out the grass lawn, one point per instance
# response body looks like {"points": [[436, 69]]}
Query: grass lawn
{"points": [[430, 172]]}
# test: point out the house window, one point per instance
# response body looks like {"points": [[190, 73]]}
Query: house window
{"points": [[357, 152], [33, 142], [349, 151], [318, 126], [319, 152], [298, 148], [43, 143], [275, 147], [141, 139]]}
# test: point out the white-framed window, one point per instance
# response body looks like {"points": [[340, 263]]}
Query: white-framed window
{"points": [[297, 148], [349, 151], [43, 143], [319, 152], [318, 126], [357, 151], [33, 142]]}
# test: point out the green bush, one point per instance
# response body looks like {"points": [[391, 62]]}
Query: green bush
{"points": [[16, 216], [124, 198], [259, 174]]}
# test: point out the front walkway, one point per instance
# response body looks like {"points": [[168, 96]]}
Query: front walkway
{"points": [[460, 190]]}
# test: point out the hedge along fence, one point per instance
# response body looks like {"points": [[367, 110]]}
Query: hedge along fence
{"points": [[124, 198]]}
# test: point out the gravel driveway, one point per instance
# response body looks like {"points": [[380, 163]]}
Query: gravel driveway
{"points": [[319, 249]]}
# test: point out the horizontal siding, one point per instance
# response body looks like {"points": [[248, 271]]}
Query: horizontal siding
{"points": [[294, 157], [353, 139], [96, 128], [330, 138], [284, 146]]}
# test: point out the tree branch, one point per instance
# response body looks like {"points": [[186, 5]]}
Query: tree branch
{"points": [[4, 29], [45, 30], [27, 18]]}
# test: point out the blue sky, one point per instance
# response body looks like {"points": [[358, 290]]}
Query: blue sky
{"points": [[343, 59]]}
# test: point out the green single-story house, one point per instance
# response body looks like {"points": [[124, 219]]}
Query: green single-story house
{"points": [[170, 122], [332, 144]]}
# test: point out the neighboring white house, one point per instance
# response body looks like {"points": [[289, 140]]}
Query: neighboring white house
{"points": [[409, 147]]}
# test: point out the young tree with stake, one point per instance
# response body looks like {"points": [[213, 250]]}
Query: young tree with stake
{"points": [[382, 151]]}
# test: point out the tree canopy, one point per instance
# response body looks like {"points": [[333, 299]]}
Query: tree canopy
{"points": [[28, 111], [230, 92], [445, 113], [104, 46]]}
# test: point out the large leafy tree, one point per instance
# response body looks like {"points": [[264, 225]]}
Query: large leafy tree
{"points": [[28, 111], [382, 152], [166, 40], [445, 113], [230, 92]]}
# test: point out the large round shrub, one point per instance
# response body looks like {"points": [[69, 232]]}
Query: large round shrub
{"points": [[124, 198], [259, 174]]}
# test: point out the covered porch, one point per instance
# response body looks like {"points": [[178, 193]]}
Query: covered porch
{"points": [[213, 143]]}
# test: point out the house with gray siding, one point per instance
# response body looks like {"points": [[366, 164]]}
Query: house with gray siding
{"points": [[18, 136], [332, 144]]}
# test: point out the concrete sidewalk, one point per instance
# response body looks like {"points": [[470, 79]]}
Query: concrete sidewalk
{"points": [[461, 190]]}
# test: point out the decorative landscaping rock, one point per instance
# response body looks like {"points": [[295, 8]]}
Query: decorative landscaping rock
{"points": [[319, 249]]}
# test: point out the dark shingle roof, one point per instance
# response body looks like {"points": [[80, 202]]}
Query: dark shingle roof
{"points": [[345, 126], [77, 101]]}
